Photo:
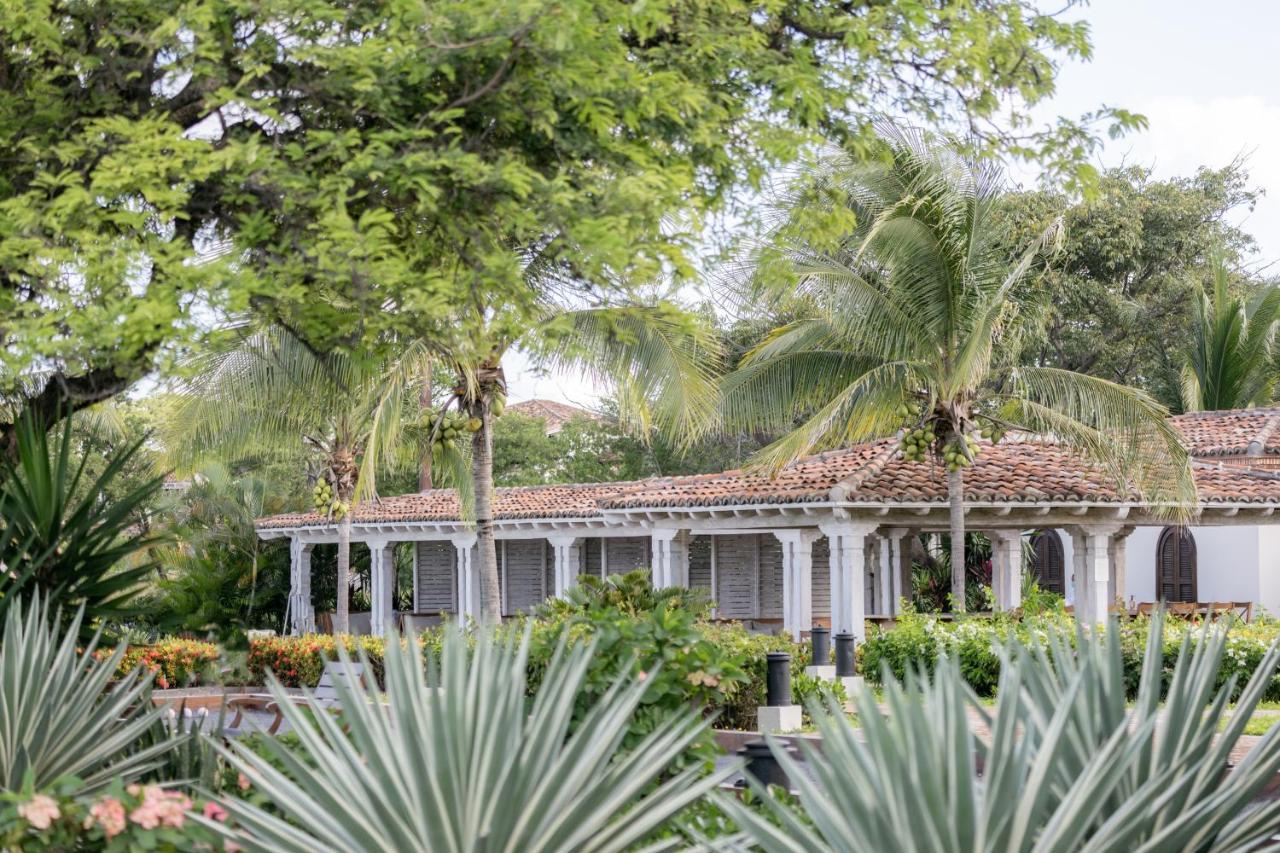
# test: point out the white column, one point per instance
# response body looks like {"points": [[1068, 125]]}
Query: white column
{"points": [[382, 575], [1006, 568], [885, 575], [1093, 568], [670, 558], [564, 547], [301, 614], [1119, 589], [797, 579], [848, 571], [895, 537], [468, 577]]}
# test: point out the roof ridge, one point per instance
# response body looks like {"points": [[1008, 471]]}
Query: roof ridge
{"points": [[840, 491], [1258, 446]]}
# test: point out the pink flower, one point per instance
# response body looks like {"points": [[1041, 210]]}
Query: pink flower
{"points": [[642, 676], [109, 814], [242, 782], [213, 811], [160, 808], [41, 811]]}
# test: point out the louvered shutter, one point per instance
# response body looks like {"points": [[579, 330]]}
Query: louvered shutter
{"points": [[1176, 565], [1047, 562]]}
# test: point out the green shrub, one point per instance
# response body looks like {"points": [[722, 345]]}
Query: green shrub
{"points": [[749, 651], [174, 661]]}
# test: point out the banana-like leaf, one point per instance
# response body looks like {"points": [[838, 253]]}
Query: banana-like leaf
{"points": [[1065, 766], [457, 758], [59, 714]]}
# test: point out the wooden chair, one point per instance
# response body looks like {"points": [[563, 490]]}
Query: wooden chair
{"points": [[324, 697]]}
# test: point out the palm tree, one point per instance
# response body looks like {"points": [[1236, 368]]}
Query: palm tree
{"points": [[911, 318], [659, 360], [1231, 363], [262, 391]]}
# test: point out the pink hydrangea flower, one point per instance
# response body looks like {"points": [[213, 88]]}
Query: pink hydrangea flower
{"points": [[40, 811], [109, 814], [213, 811], [242, 782]]}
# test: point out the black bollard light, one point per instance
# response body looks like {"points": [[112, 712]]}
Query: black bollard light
{"points": [[821, 639], [762, 765], [844, 655], [778, 682]]}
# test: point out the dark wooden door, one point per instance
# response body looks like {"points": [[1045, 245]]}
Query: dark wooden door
{"points": [[1047, 563], [1176, 565]]}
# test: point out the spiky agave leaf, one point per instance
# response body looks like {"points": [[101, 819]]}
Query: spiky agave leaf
{"points": [[1066, 766], [470, 765], [59, 716]]}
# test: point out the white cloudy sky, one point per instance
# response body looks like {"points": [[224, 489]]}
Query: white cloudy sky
{"points": [[1206, 76]]}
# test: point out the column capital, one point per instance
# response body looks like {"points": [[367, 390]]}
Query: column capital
{"points": [[1097, 529], [664, 534], [847, 527], [463, 541], [1004, 534], [376, 542], [560, 540], [797, 535]]}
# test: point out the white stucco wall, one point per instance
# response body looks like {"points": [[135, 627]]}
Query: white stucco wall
{"points": [[1234, 563]]}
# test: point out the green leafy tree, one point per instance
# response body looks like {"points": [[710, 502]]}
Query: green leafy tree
{"points": [[914, 328], [1127, 278], [1231, 362]]}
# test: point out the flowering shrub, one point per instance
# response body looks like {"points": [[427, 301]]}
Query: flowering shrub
{"points": [[175, 662], [135, 817], [299, 661]]}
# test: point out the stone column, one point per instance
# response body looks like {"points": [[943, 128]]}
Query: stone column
{"points": [[468, 577], [301, 614], [1117, 592], [1092, 544], [670, 549], [1006, 568], [382, 575], [848, 571], [797, 579], [564, 548]]}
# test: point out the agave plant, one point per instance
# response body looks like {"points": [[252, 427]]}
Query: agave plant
{"points": [[60, 715], [1066, 765], [470, 764]]}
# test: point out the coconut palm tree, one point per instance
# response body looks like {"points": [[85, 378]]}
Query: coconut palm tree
{"points": [[911, 316], [262, 391], [659, 360], [1231, 362]]}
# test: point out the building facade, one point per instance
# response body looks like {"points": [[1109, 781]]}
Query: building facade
{"points": [[825, 541]]}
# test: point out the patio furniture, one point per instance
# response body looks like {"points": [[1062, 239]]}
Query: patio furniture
{"points": [[324, 697]]}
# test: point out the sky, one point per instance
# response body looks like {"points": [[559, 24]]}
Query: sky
{"points": [[1206, 76]]}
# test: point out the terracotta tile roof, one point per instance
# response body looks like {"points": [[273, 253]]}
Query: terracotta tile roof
{"points": [[1015, 471], [1237, 432], [556, 501], [554, 414]]}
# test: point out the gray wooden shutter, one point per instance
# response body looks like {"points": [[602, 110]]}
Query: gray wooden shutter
{"points": [[524, 574], [821, 580], [770, 576], [626, 554], [437, 580], [736, 576], [700, 562]]}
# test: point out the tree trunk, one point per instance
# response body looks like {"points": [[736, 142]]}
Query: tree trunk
{"points": [[424, 403], [955, 489], [482, 478], [341, 616]]}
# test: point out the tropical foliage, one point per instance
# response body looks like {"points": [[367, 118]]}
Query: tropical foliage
{"points": [[1232, 362], [1067, 764], [911, 325], [574, 789], [60, 537]]}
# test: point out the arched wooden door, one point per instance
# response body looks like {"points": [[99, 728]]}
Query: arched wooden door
{"points": [[1048, 566], [1176, 565]]}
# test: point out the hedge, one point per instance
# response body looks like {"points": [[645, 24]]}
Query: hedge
{"points": [[917, 641], [176, 662]]}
